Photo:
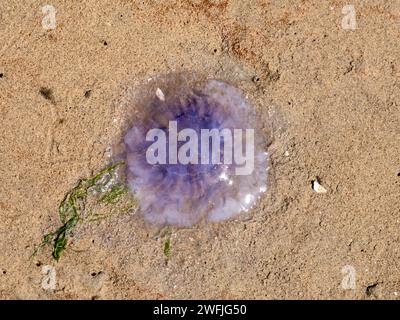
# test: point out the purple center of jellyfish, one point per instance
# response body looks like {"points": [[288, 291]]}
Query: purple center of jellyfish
{"points": [[184, 194]]}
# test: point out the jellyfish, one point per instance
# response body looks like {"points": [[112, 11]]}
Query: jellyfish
{"points": [[194, 150]]}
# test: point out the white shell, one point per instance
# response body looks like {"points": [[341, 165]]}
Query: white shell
{"points": [[318, 188], [160, 94]]}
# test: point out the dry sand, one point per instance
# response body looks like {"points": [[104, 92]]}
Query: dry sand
{"points": [[332, 94]]}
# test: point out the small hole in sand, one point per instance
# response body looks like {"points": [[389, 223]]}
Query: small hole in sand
{"points": [[47, 93]]}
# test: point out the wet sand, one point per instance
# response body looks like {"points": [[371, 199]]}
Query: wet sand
{"points": [[331, 95]]}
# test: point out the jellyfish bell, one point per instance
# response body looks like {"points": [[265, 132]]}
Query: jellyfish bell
{"points": [[194, 150]]}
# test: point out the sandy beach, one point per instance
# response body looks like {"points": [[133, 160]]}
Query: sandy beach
{"points": [[325, 76]]}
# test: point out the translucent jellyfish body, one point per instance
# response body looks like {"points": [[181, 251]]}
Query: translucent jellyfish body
{"points": [[193, 150]]}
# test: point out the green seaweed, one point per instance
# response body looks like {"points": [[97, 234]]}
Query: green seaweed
{"points": [[114, 194], [73, 203], [166, 233], [167, 247], [93, 217]]}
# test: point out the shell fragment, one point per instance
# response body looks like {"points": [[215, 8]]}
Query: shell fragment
{"points": [[160, 94], [317, 187]]}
